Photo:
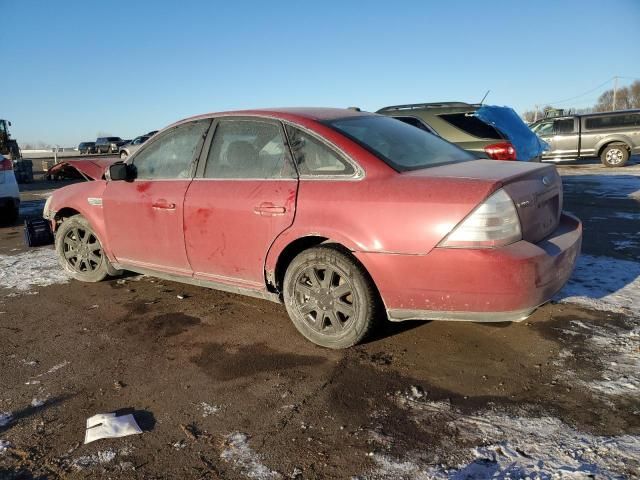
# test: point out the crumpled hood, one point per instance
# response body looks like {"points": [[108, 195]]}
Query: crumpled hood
{"points": [[90, 169]]}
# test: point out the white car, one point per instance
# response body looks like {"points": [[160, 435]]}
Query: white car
{"points": [[9, 193]]}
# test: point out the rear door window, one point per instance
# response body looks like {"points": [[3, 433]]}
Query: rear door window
{"points": [[248, 149], [472, 125]]}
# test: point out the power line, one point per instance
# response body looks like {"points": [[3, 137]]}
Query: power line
{"points": [[578, 96]]}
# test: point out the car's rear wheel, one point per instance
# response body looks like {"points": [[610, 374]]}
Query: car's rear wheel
{"points": [[615, 155], [330, 298], [80, 251]]}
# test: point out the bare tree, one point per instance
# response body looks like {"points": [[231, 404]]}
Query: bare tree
{"points": [[626, 98]]}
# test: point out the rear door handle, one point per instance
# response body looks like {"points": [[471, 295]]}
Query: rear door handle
{"points": [[269, 209], [163, 205]]}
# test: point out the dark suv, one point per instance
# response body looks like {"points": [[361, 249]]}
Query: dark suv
{"points": [[456, 122], [109, 144], [87, 147]]}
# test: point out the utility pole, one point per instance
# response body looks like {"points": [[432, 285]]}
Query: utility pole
{"points": [[615, 93], [535, 114]]}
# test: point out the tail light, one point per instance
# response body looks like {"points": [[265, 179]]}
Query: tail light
{"points": [[501, 151], [5, 164], [492, 224]]}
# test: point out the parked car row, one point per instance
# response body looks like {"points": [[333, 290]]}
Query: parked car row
{"points": [[346, 217], [132, 146], [114, 145]]}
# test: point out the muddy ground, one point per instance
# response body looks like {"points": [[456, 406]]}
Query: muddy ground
{"points": [[223, 386]]}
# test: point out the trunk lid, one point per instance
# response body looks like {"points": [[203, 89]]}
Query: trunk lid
{"points": [[536, 189], [538, 200]]}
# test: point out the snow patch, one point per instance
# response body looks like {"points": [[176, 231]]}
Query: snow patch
{"points": [[38, 267], [627, 215], [604, 283], [208, 409], [516, 447], [37, 402], [626, 244], [55, 368], [249, 463], [601, 184], [98, 458], [618, 350]]}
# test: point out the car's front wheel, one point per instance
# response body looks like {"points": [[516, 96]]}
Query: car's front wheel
{"points": [[330, 298], [615, 155], [80, 251]]}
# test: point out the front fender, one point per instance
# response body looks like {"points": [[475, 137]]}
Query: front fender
{"points": [[86, 199]]}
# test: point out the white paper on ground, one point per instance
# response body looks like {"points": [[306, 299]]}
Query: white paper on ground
{"points": [[107, 425]]}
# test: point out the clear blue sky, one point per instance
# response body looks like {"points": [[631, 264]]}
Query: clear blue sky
{"points": [[72, 68]]}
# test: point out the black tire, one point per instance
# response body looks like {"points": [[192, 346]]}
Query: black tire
{"points": [[615, 155], [80, 251], [330, 298]]}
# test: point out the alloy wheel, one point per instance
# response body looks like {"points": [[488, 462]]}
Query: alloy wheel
{"points": [[82, 250], [325, 298], [615, 156]]}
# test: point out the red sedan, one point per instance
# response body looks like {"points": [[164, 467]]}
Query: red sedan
{"points": [[347, 217]]}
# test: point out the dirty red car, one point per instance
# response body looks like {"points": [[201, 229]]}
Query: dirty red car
{"points": [[347, 217]]}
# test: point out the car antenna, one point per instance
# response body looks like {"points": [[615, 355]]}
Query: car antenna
{"points": [[485, 96]]}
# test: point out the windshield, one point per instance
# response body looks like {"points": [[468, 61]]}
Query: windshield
{"points": [[401, 146]]}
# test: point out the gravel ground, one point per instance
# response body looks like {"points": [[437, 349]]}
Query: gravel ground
{"points": [[224, 387]]}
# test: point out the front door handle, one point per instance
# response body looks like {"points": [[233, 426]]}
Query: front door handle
{"points": [[163, 205], [266, 209]]}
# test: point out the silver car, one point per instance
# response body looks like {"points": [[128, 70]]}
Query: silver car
{"points": [[128, 148]]}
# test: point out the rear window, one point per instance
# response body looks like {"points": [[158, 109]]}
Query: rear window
{"points": [[401, 146], [613, 121], [114, 139], [471, 125]]}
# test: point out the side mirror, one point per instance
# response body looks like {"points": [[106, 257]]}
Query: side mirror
{"points": [[120, 171]]}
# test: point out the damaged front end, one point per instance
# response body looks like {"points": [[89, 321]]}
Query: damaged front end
{"points": [[86, 169]]}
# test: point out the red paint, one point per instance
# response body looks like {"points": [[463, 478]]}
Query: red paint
{"points": [[94, 169], [231, 241], [232, 231], [144, 221]]}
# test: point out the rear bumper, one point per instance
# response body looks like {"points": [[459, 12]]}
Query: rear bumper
{"points": [[484, 285]]}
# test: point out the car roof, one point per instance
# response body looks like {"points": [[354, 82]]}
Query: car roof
{"points": [[289, 113]]}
